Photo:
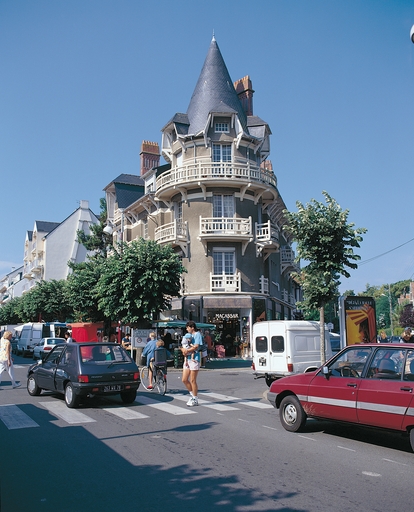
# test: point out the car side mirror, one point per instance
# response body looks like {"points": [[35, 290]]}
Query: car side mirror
{"points": [[326, 372]]}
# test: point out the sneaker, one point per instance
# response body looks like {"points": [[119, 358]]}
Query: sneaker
{"points": [[190, 400], [193, 402], [16, 385], [149, 387]]}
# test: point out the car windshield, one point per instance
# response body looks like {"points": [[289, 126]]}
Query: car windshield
{"points": [[103, 353], [351, 362]]}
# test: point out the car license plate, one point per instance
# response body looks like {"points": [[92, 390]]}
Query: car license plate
{"points": [[113, 387]]}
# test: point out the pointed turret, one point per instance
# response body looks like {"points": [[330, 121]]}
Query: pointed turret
{"points": [[214, 92]]}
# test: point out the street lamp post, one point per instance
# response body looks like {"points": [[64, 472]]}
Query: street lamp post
{"points": [[389, 298]]}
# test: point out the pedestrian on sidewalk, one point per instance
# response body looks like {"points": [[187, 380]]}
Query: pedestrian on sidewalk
{"points": [[190, 373], [6, 361]]}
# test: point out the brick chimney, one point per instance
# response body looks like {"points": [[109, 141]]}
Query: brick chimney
{"points": [[245, 93], [150, 156]]}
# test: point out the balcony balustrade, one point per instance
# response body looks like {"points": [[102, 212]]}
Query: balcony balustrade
{"points": [[174, 233], [287, 260], [227, 283], [226, 229], [267, 238], [206, 170]]}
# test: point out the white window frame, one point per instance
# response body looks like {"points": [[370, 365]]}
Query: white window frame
{"points": [[223, 205], [224, 261], [221, 152], [221, 128]]}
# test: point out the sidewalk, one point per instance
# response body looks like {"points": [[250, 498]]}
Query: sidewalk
{"points": [[223, 363]]}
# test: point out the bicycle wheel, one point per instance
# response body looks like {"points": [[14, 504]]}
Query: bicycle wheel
{"points": [[160, 381], [145, 381]]}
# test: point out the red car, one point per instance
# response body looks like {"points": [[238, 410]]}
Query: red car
{"points": [[370, 385]]}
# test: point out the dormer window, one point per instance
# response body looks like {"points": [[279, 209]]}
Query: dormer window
{"points": [[221, 127]]}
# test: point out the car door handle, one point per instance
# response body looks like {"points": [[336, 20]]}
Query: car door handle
{"points": [[352, 384], [410, 390]]}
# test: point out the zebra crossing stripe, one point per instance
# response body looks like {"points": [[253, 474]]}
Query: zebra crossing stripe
{"points": [[210, 405], [250, 403], [71, 416], [14, 418], [163, 406], [125, 413]]}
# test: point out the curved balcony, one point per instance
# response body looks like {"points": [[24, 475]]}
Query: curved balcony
{"points": [[225, 229], [174, 233], [207, 173], [267, 238], [287, 260]]}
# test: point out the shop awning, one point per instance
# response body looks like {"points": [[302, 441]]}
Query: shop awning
{"points": [[232, 302]]}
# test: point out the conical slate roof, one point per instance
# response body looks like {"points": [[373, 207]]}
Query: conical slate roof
{"points": [[214, 92]]}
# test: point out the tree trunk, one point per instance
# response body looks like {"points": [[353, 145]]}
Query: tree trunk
{"points": [[322, 333]]}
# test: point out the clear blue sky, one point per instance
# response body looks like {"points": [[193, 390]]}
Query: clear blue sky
{"points": [[83, 82]]}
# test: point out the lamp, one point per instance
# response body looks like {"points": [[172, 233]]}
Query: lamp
{"points": [[412, 34], [108, 230]]}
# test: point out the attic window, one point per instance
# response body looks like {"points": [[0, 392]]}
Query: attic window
{"points": [[222, 127]]}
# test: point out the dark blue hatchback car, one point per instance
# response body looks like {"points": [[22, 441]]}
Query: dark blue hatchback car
{"points": [[81, 370]]}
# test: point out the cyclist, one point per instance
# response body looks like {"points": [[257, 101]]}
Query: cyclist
{"points": [[148, 351]]}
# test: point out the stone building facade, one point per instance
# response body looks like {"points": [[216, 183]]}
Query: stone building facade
{"points": [[217, 203]]}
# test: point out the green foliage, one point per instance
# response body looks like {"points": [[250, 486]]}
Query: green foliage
{"points": [[326, 241], [138, 280], [47, 301], [81, 289], [9, 312], [98, 241]]}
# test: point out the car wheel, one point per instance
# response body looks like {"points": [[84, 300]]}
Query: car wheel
{"points": [[71, 399], [32, 387], [292, 415], [412, 438], [128, 397]]}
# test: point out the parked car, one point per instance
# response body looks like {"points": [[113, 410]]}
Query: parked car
{"points": [[13, 343], [370, 385], [45, 345], [82, 370]]}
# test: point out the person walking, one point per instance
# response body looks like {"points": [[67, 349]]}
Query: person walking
{"points": [[6, 361], [190, 373]]}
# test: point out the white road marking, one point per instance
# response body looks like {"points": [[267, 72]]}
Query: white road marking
{"points": [[126, 413], [15, 418], [348, 449], [395, 462], [270, 428], [71, 416], [370, 473], [308, 438], [164, 406], [250, 403], [205, 403]]}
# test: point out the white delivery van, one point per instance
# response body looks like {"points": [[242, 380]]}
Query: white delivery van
{"points": [[286, 347], [31, 333]]}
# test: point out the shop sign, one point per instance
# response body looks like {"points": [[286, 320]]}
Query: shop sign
{"points": [[226, 316]]}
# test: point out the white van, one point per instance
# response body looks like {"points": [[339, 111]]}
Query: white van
{"points": [[286, 347], [31, 333]]}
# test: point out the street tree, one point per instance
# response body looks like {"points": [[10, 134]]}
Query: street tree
{"points": [[98, 242], [137, 280], [82, 292], [326, 241]]}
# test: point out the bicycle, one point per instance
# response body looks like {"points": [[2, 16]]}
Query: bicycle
{"points": [[159, 377]]}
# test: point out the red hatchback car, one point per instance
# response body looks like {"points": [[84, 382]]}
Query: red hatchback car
{"points": [[370, 385]]}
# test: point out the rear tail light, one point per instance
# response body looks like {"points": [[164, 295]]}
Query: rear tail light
{"points": [[253, 367], [83, 378], [47, 348], [290, 367], [136, 376]]}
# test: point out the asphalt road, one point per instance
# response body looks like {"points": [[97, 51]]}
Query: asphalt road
{"points": [[230, 453]]}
